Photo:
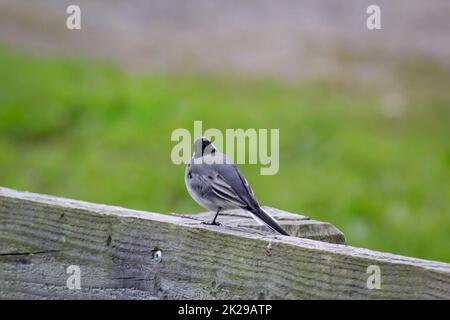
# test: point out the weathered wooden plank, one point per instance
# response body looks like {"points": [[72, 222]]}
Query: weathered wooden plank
{"points": [[40, 236]]}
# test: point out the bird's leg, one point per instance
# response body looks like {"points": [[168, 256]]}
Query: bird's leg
{"points": [[214, 220], [214, 223]]}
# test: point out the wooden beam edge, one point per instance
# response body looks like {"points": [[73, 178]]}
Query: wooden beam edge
{"points": [[307, 244]]}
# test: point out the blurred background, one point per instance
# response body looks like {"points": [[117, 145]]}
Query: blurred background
{"points": [[364, 116]]}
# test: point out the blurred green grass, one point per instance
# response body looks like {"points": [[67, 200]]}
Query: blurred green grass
{"points": [[87, 130]]}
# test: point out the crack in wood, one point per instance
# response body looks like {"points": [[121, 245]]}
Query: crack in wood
{"points": [[6, 254]]}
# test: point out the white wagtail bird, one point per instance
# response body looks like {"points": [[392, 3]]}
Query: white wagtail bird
{"points": [[214, 182]]}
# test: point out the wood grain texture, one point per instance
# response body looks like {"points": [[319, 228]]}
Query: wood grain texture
{"points": [[40, 236]]}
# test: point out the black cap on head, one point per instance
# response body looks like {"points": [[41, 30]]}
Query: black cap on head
{"points": [[203, 146], [205, 143]]}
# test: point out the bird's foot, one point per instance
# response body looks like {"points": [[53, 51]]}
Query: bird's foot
{"points": [[214, 223]]}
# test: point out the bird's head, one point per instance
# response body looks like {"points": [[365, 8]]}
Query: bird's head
{"points": [[203, 146]]}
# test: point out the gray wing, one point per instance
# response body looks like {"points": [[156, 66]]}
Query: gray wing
{"points": [[222, 189], [236, 185], [240, 186], [227, 183]]}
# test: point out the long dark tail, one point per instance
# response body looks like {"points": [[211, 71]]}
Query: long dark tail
{"points": [[263, 216]]}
